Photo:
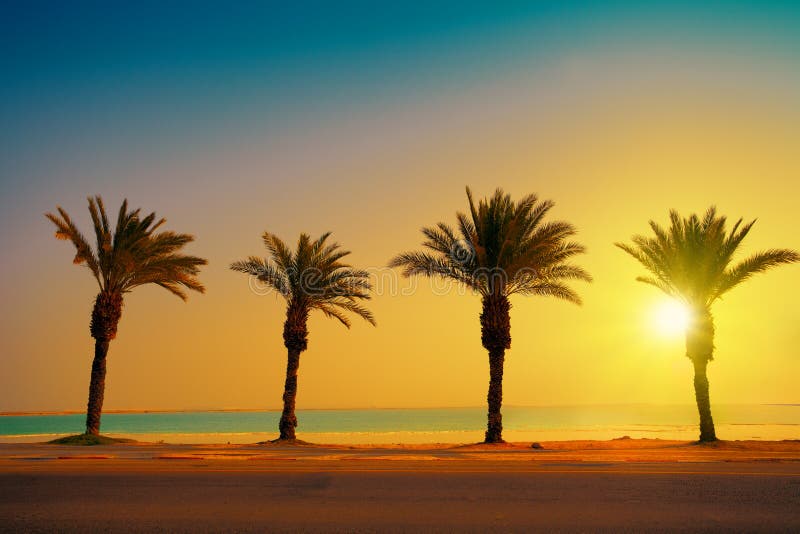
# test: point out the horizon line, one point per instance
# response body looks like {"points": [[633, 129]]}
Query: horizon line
{"points": [[22, 413]]}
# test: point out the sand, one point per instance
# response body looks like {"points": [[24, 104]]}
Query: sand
{"points": [[570, 486]]}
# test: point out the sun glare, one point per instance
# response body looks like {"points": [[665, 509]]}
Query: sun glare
{"points": [[672, 317]]}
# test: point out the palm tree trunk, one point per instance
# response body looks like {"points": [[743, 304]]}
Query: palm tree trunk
{"points": [[288, 420], [700, 349], [496, 338], [97, 386], [494, 398], [707, 432], [105, 318], [295, 338]]}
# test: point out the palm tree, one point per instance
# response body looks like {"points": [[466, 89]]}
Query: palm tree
{"points": [[691, 261], [502, 248], [134, 254], [312, 277]]}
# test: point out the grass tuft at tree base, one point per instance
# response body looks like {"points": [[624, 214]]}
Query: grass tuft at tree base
{"points": [[89, 439]]}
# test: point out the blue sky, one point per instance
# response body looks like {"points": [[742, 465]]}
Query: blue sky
{"points": [[134, 75]]}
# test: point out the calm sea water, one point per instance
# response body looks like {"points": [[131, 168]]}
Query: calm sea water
{"points": [[424, 425]]}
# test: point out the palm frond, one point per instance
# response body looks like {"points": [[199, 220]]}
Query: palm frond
{"points": [[551, 289], [499, 244], [440, 238], [660, 284], [691, 258], [278, 250], [312, 276], [757, 263], [133, 254], [264, 272], [349, 306], [66, 230], [331, 312]]}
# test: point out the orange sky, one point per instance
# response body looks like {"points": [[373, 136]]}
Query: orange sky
{"points": [[615, 136]]}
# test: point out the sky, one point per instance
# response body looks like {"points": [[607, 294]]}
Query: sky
{"points": [[368, 119]]}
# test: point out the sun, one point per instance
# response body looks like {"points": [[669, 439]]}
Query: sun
{"points": [[672, 317]]}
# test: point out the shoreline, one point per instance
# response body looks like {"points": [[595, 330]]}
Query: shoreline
{"points": [[787, 449], [135, 411], [82, 411], [415, 425], [688, 433]]}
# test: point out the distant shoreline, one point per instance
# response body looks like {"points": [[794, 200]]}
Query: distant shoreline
{"points": [[277, 409], [132, 411]]}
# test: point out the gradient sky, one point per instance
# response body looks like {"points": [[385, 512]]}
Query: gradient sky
{"points": [[368, 120]]}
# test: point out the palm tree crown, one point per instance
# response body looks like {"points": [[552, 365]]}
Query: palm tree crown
{"points": [[133, 254], [691, 260], [312, 277], [501, 248]]}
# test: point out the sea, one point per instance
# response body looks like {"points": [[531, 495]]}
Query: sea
{"points": [[429, 425]]}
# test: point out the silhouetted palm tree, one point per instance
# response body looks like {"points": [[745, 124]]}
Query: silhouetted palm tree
{"points": [[691, 261], [312, 277], [131, 255], [500, 249]]}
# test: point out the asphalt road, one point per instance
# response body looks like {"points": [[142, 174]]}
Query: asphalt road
{"points": [[377, 496]]}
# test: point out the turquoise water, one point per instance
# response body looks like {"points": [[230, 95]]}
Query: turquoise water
{"points": [[455, 424]]}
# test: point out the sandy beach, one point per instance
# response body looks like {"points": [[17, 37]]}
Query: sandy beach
{"points": [[632, 484]]}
